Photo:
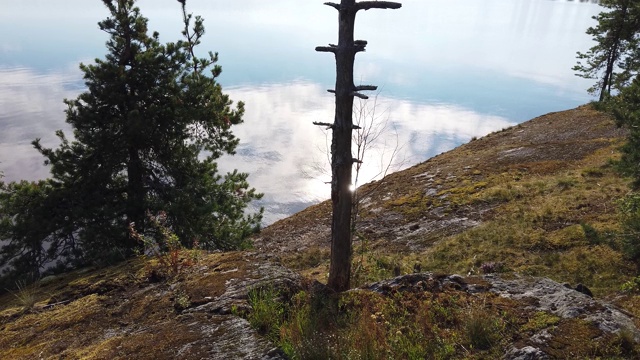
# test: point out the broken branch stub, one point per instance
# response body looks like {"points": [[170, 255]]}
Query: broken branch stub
{"points": [[366, 5]]}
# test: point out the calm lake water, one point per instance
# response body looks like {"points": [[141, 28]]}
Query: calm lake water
{"points": [[447, 71]]}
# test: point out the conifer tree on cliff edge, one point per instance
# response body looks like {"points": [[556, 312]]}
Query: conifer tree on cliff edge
{"points": [[146, 134]]}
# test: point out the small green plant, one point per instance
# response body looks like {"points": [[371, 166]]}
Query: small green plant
{"points": [[371, 325], [267, 311], [593, 172], [592, 235], [629, 208], [632, 285], [312, 327], [181, 301], [165, 245], [541, 320], [371, 266], [625, 339]]}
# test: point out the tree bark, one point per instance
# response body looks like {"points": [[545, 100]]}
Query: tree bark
{"points": [[135, 206], [340, 269], [135, 190], [341, 157], [613, 53]]}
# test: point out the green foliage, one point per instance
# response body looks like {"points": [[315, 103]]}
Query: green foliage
{"points": [[181, 301], [540, 320], [370, 266], [632, 285], [591, 234], [626, 343], [566, 183], [165, 246], [309, 327], [146, 135], [630, 214], [267, 311], [29, 213], [614, 60], [368, 325], [625, 107]]}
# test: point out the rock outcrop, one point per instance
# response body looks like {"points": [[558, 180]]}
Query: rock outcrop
{"points": [[532, 295], [119, 313]]}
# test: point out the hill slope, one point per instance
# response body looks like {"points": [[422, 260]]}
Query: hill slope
{"points": [[536, 199]]}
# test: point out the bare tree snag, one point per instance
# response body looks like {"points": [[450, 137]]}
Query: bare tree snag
{"points": [[341, 157]]}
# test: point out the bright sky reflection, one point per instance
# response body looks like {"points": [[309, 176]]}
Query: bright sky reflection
{"points": [[448, 71]]}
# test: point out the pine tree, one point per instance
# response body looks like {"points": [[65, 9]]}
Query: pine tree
{"points": [[27, 220], [625, 108], [146, 135], [614, 60]]}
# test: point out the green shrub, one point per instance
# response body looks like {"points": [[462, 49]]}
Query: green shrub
{"points": [[541, 320], [311, 327], [165, 246], [632, 285], [630, 215]]}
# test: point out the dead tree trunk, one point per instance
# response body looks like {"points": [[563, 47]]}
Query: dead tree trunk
{"points": [[341, 157]]}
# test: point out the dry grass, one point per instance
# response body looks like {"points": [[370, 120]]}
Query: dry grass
{"points": [[114, 313]]}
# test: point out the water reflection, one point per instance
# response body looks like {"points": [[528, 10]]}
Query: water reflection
{"points": [[286, 154], [449, 70], [283, 151], [31, 107]]}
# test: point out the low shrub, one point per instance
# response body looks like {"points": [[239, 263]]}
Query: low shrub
{"points": [[165, 246]]}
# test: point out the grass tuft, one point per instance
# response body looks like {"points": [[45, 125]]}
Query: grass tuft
{"points": [[26, 295], [267, 311], [481, 329]]}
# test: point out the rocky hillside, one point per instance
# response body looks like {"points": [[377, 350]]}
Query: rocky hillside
{"points": [[526, 218], [538, 198]]}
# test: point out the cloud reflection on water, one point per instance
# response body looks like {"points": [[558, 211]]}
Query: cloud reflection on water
{"points": [[280, 147], [31, 107], [283, 150]]}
